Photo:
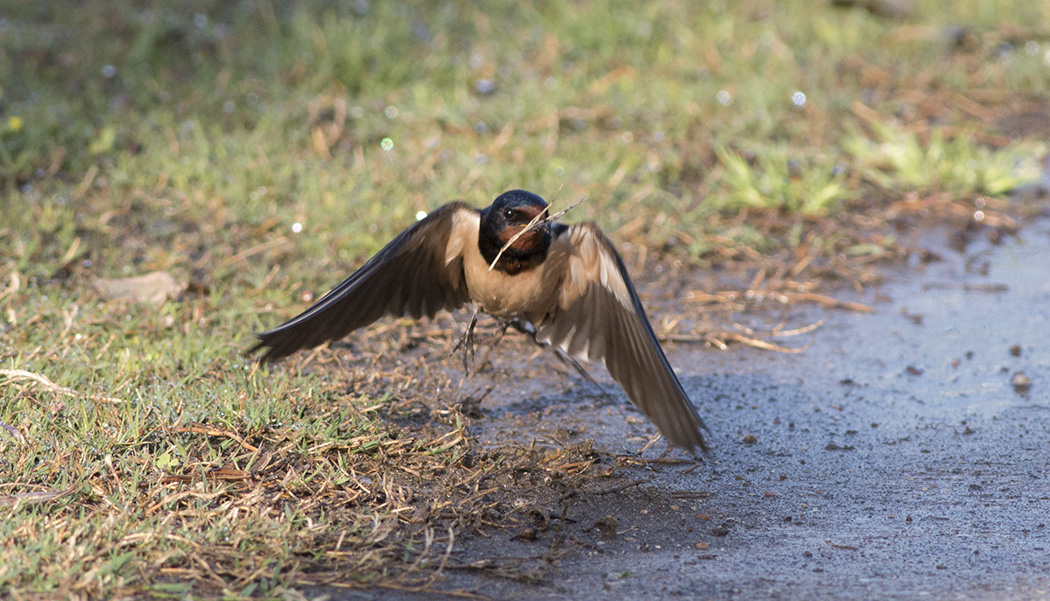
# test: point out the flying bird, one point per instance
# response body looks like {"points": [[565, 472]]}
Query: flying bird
{"points": [[567, 281]]}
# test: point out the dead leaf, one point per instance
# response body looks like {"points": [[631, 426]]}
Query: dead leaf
{"points": [[224, 474], [155, 287]]}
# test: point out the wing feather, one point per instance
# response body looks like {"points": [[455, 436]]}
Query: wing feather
{"points": [[419, 273], [600, 317]]}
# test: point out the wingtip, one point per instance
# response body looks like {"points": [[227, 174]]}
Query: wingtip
{"points": [[701, 444], [252, 352], [692, 444], [265, 345], [690, 437]]}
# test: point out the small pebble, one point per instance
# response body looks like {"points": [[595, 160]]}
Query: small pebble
{"points": [[607, 526], [528, 533], [1021, 382]]}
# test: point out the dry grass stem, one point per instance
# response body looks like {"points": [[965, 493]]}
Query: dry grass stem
{"points": [[533, 224], [9, 376]]}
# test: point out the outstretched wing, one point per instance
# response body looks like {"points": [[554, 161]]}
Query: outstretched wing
{"points": [[599, 316], [420, 272]]}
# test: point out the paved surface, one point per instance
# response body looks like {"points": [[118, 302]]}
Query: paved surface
{"points": [[894, 459]]}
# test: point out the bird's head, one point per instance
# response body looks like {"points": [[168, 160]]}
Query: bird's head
{"points": [[505, 218], [515, 210]]}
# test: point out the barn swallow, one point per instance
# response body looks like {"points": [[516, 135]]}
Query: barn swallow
{"points": [[567, 281]]}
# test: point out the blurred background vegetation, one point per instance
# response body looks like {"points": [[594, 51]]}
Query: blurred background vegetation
{"points": [[258, 150], [231, 121]]}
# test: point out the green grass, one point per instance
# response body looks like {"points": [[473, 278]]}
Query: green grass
{"points": [[900, 161], [259, 150]]}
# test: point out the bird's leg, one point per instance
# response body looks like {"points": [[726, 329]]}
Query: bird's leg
{"points": [[561, 355], [467, 342], [489, 347], [502, 331], [576, 364]]}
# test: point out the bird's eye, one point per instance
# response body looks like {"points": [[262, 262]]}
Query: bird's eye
{"points": [[508, 213]]}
